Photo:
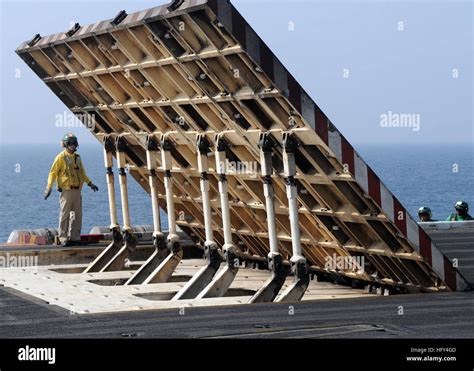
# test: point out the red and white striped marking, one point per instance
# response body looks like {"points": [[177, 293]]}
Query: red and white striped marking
{"points": [[395, 212]]}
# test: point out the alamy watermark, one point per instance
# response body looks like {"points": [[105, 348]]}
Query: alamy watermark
{"points": [[400, 120], [344, 263], [69, 120], [8, 261], [18, 261], [241, 167], [28, 353]]}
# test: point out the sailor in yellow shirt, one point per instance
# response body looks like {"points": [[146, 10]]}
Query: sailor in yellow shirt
{"points": [[69, 174]]}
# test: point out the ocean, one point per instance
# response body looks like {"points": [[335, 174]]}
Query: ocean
{"points": [[435, 176]]}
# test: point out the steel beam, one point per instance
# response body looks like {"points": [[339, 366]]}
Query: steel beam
{"points": [[161, 249], [165, 269], [269, 291], [114, 247], [212, 253], [119, 260], [223, 279], [299, 266]]}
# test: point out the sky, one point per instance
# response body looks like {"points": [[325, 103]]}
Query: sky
{"points": [[365, 63]]}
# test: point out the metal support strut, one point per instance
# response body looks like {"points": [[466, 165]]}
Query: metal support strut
{"points": [[159, 241], [118, 261], [109, 252], [212, 252], [222, 280], [163, 272], [299, 266], [269, 291]]}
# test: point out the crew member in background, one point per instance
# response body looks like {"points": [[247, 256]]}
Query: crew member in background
{"points": [[461, 214], [425, 215], [69, 174]]}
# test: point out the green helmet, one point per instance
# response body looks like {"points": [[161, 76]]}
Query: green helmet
{"points": [[461, 206], [69, 139], [424, 210]]}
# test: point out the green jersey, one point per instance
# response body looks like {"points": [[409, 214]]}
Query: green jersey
{"points": [[454, 217]]}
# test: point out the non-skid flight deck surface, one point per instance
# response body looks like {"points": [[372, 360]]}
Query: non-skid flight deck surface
{"points": [[200, 68]]}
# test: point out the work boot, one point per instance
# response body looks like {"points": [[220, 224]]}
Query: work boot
{"points": [[79, 242], [67, 243]]}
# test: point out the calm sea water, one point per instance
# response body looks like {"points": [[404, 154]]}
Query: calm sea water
{"points": [[417, 175]]}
